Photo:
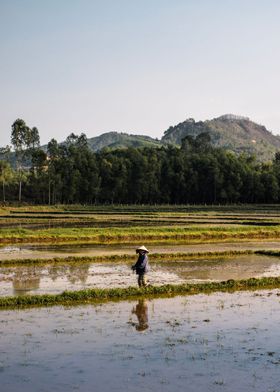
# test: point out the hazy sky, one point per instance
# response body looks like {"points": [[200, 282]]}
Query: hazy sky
{"points": [[136, 66]]}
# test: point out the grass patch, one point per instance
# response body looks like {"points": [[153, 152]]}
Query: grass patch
{"points": [[84, 296], [128, 234]]}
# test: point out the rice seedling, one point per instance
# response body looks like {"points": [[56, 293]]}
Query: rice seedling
{"points": [[140, 233]]}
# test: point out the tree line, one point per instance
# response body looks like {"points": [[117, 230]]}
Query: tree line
{"points": [[70, 172]]}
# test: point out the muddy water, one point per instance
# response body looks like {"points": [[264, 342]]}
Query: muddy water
{"points": [[54, 279], [47, 251], [32, 279], [220, 342]]}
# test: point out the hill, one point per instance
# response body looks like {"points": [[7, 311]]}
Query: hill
{"points": [[115, 140], [112, 141], [235, 133]]}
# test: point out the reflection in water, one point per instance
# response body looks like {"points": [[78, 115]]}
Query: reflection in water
{"points": [[141, 311], [77, 273], [24, 281], [60, 276], [89, 347], [21, 286], [26, 278]]}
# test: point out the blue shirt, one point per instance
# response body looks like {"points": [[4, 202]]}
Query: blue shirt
{"points": [[142, 264]]}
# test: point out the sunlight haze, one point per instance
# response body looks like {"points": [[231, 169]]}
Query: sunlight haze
{"points": [[136, 66]]}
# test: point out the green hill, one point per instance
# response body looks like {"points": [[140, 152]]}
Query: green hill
{"points": [[235, 133], [115, 140]]}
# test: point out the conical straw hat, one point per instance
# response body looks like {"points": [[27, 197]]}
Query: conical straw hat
{"points": [[142, 248]]}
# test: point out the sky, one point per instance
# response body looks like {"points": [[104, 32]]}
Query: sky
{"points": [[136, 66]]}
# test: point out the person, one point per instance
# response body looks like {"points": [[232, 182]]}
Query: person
{"points": [[142, 265], [141, 311]]}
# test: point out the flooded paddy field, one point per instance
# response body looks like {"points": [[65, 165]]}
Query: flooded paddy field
{"points": [[218, 342], [47, 220], [29, 251], [57, 277], [107, 220], [128, 224]]}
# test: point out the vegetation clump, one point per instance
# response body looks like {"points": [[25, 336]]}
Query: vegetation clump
{"points": [[82, 296]]}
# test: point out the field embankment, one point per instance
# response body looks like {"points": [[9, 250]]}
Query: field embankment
{"points": [[97, 295], [154, 257]]}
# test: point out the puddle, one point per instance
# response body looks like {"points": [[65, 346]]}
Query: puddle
{"points": [[55, 278], [220, 342], [218, 269]]}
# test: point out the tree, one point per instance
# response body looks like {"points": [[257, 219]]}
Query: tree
{"points": [[33, 138], [54, 154], [5, 153], [20, 140], [6, 176]]}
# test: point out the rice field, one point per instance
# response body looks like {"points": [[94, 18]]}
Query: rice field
{"points": [[205, 320], [216, 342], [126, 224], [40, 237]]}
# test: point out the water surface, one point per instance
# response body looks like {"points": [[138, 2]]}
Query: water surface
{"points": [[64, 250], [55, 278], [221, 342]]}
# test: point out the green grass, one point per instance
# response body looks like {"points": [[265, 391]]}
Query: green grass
{"points": [[128, 234], [84, 296]]}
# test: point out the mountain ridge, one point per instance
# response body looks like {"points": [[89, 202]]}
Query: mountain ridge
{"points": [[236, 133], [233, 132]]}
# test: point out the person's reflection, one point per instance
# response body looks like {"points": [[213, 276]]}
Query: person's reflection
{"points": [[25, 280], [141, 311]]}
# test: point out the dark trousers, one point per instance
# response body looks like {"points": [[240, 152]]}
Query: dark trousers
{"points": [[141, 280]]}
